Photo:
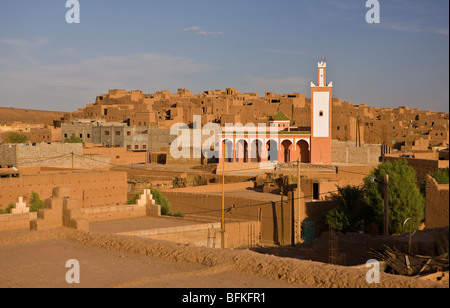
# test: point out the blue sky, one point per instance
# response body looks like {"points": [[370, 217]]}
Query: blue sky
{"points": [[251, 45]]}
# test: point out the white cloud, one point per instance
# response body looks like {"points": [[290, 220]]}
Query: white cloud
{"points": [[191, 29], [414, 26], [202, 33], [206, 33], [19, 43], [75, 84]]}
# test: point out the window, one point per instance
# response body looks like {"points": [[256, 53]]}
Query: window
{"points": [[81, 135], [89, 136], [144, 147], [128, 133], [65, 135], [117, 133], [107, 133], [136, 147], [321, 114], [338, 128], [316, 195], [129, 147]]}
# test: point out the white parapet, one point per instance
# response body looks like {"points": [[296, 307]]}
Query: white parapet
{"points": [[21, 207], [146, 198]]}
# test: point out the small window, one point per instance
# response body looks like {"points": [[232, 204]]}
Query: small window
{"points": [[316, 195], [65, 135], [107, 133], [89, 136], [338, 128], [136, 147], [81, 135], [117, 133], [129, 147], [144, 147], [128, 133], [321, 114]]}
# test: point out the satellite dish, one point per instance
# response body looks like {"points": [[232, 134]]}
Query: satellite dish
{"points": [[14, 169]]}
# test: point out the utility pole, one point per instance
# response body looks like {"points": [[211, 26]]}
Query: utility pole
{"points": [[298, 203], [386, 205], [223, 197], [223, 189], [282, 216]]}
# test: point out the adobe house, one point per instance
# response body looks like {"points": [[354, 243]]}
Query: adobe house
{"points": [[280, 142]]}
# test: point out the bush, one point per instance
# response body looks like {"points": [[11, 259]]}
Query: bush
{"points": [[133, 199], [15, 137], [36, 203], [74, 139], [8, 209], [178, 214], [162, 201]]}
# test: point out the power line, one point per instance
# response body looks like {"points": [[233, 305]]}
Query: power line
{"points": [[265, 203]]}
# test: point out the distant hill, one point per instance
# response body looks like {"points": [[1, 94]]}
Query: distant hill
{"points": [[10, 115]]}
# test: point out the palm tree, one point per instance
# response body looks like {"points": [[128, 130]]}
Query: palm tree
{"points": [[350, 204]]}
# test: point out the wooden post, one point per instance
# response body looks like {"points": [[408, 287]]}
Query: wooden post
{"points": [[298, 229], [386, 205], [282, 217]]}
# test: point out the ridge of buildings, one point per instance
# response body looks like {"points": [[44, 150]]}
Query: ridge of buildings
{"points": [[397, 127]]}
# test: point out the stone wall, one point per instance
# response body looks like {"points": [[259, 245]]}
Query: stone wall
{"points": [[118, 156], [347, 152], [92, 189], [10, 222], [437, 204]]}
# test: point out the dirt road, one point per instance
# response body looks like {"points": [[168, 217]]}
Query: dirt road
{"points": [[38, 259]]}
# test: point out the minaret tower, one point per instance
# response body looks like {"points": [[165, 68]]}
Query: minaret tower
{"points": [[321, 112]]}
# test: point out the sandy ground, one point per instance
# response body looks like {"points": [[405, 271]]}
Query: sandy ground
{"points": [[37, 259]]}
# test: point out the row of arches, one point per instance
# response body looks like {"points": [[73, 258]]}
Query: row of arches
{"points": [[256, 151]]}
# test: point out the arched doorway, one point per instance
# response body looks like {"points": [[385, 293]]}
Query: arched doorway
{"points": [[228, 146], [286, 147], [242, 151], [255, 151], [272, 149], [303, 148]]}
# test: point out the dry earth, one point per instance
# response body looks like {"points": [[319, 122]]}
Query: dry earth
{"points": [[37, 259], [10, 115]]}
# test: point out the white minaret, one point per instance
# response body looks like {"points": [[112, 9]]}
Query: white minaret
{"points": [[321, 108]]}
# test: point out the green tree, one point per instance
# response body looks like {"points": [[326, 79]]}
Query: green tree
{"points": [[74, 139], [350, 208], [441, 176], [405, 199], [339, 219], [16, 137], [36, 203]]}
